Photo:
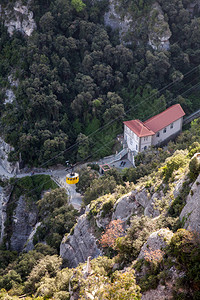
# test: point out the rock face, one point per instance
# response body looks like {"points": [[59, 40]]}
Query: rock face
{"points": [[142, 197], [10, 96], [4, 198], [159, 32], [158, 29], [190, 214], [125, 207], [114, 20], [151, 209], [161, 292], [29, 244], [5, 149], [148, 202], [102, 222], [19, 18], [23, 221], [156, 241], [78, 246]]}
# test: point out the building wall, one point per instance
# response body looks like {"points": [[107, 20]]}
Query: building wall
{"points": [[131, 157], [177, 126], [131, 138], [145, 142]]}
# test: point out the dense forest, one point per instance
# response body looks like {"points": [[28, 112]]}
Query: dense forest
{"points": [[76, 77], [75, 82]]}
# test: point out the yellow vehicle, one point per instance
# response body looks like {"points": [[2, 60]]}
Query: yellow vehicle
{"points": [[72, 177]]}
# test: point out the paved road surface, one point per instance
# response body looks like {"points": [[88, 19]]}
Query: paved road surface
{"points": [[58, 176], [75, 198]]}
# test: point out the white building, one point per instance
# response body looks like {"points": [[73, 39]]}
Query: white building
{"points": [[155, 131]]}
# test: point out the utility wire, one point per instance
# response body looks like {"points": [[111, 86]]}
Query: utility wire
{"points": [[126, 112], [110, 122], [111, 141]]}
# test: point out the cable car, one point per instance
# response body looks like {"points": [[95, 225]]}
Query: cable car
{"points": [[72, 178]]}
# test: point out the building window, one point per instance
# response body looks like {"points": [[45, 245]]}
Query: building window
{"points": [[145, 147], [158, 134], [172, 125], [131, 142], [146, 138], [164, 130], [136, 147]]}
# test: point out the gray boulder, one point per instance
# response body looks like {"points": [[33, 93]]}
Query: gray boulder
{"points": [[142, 197], [125, 207]]}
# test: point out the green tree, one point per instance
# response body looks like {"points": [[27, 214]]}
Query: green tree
{"points": [[99, 187], [83, 147], [86, 176], [78, 5], [51, 200], [46, 268], [194, 167]]}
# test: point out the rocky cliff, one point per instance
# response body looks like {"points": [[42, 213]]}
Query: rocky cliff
{"points": [[80, 244], [114, 20], [4, 198], [159, 32], [23, 222], [190, 215], [158, 29], [10, 95], [8, 167], [18, 17]]}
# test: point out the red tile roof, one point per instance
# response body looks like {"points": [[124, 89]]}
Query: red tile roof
{"points": [[139, 128], [165, 118]]}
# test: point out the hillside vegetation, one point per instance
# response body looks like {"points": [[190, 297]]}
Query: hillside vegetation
{"points": [[76, 81], [119, 273], [75, 76]]}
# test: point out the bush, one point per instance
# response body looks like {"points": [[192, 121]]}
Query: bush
{"points": [[185, 247], [128, 247], [178, 204], [174, 163], [10, 280], [46, 267], [194, 168]]}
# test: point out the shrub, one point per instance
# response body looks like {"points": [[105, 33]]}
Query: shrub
{"points": [[46, 267], [174, 163], [10, 280], [194, 169], [185, 247], [128, 247], [113, 231]]}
